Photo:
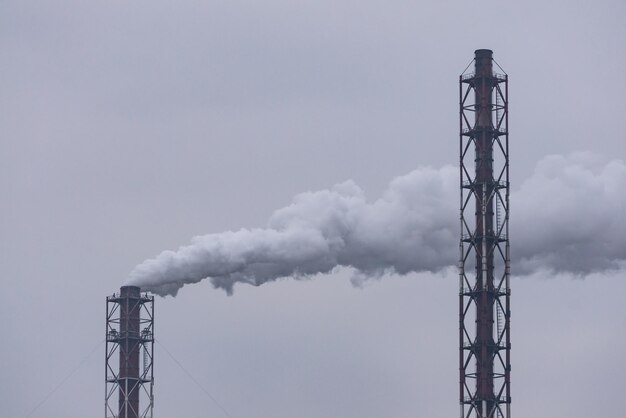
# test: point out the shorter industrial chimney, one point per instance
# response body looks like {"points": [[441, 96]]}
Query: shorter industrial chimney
{"points": [[129, 354]]}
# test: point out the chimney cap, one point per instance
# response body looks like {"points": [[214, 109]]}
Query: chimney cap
{"points": [[483, 53], [130, 291]]}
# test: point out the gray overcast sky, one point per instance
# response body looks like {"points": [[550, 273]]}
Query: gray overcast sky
{"points": [[130, 126]]}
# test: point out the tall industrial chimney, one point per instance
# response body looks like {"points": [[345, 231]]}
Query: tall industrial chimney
{"points": [[484, 294], [129, 339]]}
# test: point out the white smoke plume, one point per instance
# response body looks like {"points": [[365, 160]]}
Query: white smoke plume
{"points": [[567, 217], [570, 216]]}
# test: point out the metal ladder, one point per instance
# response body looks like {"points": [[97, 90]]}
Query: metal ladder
{"points": [[146, 360], [499, 322], [498, 106], [498, 215], [499, 328]]}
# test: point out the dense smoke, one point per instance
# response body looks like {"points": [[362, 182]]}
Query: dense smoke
{"points": [[567, 217], [570, 216]]}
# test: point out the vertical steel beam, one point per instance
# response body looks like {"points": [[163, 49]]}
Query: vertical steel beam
{"points": [[484, 306]]}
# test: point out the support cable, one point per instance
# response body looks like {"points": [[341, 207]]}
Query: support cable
{"points": [[206, 392], [65, 379], [501, 69], [468, 65]]}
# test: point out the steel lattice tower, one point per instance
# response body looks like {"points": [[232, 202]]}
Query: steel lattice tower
{"points": [[129, 339], [484, 294]]}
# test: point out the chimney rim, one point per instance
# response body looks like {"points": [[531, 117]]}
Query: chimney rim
{"points": [[483, 53], [130, 291]]}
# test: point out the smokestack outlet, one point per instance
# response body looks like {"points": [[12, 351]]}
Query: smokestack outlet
{"points": [[130, 292], [483, 53]]}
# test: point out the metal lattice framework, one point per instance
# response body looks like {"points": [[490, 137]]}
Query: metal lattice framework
{"points": [[129, 339], [484, 294]]}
